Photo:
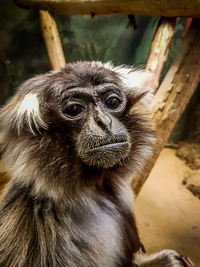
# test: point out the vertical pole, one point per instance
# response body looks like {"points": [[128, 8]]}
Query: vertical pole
{"points": [[52, 40], [160, 49]]}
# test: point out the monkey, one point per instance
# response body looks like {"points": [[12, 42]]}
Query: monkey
{"points": [[72, 140]]}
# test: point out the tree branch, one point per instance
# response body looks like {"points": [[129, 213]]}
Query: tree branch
{"points": [[173, 95], [52, 40], [166, 8]]}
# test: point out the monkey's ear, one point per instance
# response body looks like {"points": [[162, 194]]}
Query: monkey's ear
{"points": [[23, 110]]}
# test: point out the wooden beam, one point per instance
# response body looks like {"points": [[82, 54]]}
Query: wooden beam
{"points": [[52, 40], [173, 95], [167, 8], [160, 49]]}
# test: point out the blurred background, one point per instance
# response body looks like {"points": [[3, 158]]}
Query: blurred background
{"points": [[104, 38]]}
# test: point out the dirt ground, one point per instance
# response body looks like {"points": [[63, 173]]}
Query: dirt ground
{"points": [[167, 213]]}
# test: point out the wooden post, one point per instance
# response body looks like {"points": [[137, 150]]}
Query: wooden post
{"points": [[160, 49], [173, 95], [166, 8], [52, 40]]}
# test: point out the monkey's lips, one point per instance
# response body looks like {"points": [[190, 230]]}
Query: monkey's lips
{"points": [[106, 155], [107, 146]]}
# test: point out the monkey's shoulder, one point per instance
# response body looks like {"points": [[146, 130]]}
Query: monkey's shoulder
{"points": [[84, 231]]}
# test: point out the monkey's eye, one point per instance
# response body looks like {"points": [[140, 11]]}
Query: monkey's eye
{"points": [[113, 102], [73, 110]]}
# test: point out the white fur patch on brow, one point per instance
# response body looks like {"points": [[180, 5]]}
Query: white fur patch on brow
{"points": [[29, 110]]}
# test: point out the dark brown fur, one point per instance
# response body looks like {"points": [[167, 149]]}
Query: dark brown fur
{"points": [[57, 210]]}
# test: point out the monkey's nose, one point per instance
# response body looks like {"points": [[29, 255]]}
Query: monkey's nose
{"points": [[103, 120]]}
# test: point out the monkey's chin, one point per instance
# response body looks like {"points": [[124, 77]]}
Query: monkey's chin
{"points": [[106, 156]]}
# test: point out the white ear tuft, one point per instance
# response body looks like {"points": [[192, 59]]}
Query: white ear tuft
{"points": [[22, 112], [28, 109], [29, 104]]}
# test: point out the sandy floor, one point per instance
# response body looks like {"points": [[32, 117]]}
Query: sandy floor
{"points": [[168, 215]]}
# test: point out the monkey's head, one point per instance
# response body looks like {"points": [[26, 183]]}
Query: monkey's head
{"points": [[87, 113]]}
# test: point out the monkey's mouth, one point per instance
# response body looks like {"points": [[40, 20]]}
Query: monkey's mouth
{"points": [[106, 155], [109, 145]]}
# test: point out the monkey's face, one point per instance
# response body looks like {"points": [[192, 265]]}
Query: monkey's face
{"points": [[92, 115], [84, 113]]}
